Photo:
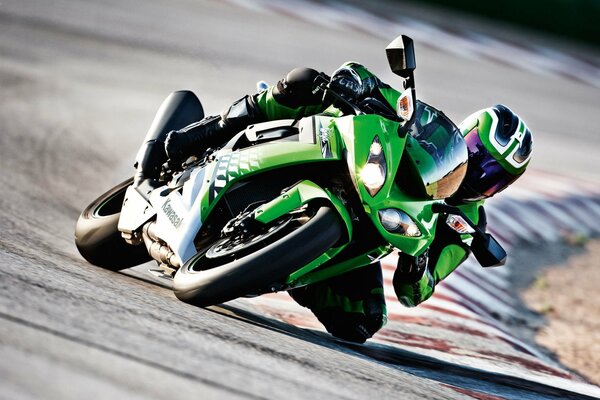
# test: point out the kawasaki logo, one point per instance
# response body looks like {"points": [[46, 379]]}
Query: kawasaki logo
{"points": [[171, 214]]}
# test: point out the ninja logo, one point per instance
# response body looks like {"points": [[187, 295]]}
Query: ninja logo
{"points": [[171, 214]]}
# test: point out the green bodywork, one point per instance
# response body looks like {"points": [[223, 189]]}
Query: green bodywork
{"points": [[344, 140]]}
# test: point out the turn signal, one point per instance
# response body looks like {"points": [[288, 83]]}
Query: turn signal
{"points": [[458, 224]]}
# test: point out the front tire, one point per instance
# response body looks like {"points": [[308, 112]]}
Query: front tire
{"points": [[97, 237], [254, 271]]}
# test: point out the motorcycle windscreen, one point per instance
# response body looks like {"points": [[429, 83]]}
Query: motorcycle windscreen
{"points": [[437, 152]]}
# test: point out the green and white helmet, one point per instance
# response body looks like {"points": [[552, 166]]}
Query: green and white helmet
{"points": [[499, 145]]}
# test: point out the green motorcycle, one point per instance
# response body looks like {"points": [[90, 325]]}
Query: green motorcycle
{"points": [[289, 203]]}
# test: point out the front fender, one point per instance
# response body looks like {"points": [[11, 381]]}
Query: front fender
{"points": [[302, 193]]}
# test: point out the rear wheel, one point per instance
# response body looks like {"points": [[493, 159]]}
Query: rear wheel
{"points": [[236, 266], [98, 238]]}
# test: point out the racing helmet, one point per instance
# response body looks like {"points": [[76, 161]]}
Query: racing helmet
{"points": [[499, 145]]}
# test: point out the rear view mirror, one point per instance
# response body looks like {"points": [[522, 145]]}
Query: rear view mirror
{"points": [[401, 56], [487, 250]]}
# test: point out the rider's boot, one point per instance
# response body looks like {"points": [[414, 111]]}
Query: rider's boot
{"points": [[413, 281], [350, 306], [213, 131]]}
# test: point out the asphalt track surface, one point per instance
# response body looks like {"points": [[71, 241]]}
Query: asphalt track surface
{"points": [[79, 85]]}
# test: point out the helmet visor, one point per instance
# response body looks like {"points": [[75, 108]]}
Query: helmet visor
{"points": [[485, 176]]}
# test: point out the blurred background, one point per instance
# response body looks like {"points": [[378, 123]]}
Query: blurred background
{"points": [[575, 20], [80, 82]]}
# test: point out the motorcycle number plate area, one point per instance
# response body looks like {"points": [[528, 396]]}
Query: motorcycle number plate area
{"points": [[136, 211]]}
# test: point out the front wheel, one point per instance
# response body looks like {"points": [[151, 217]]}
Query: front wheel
{"points": [[97, 237], [216, 275]]}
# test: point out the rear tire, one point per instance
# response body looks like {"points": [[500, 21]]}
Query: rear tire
{"points": [[260, 268], [98, 238]]}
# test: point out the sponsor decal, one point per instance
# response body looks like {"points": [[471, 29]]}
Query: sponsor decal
{"points": [[171, 214], [325, 144]]}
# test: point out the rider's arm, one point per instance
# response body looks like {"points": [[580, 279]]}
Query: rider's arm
{"points": [[448, 250], [294, 97]]}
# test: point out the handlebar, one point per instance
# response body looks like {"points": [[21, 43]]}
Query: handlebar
{"points": [[322, 83]]}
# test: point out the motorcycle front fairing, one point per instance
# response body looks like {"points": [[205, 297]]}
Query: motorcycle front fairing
{"points": [[359, 133]]}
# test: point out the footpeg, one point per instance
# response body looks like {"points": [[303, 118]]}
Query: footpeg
{"points": [[163, 272]]}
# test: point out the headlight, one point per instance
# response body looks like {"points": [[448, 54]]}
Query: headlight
{"points": [[396, 221], [373, 173], [373, 177]]}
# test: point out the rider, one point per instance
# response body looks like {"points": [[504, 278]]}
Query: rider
{"points": [[352, 306]]}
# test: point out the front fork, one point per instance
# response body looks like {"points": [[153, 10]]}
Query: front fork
{"points": [[306, 193]]}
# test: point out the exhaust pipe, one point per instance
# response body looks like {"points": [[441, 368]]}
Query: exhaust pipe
{"points": [[158, 249]]}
